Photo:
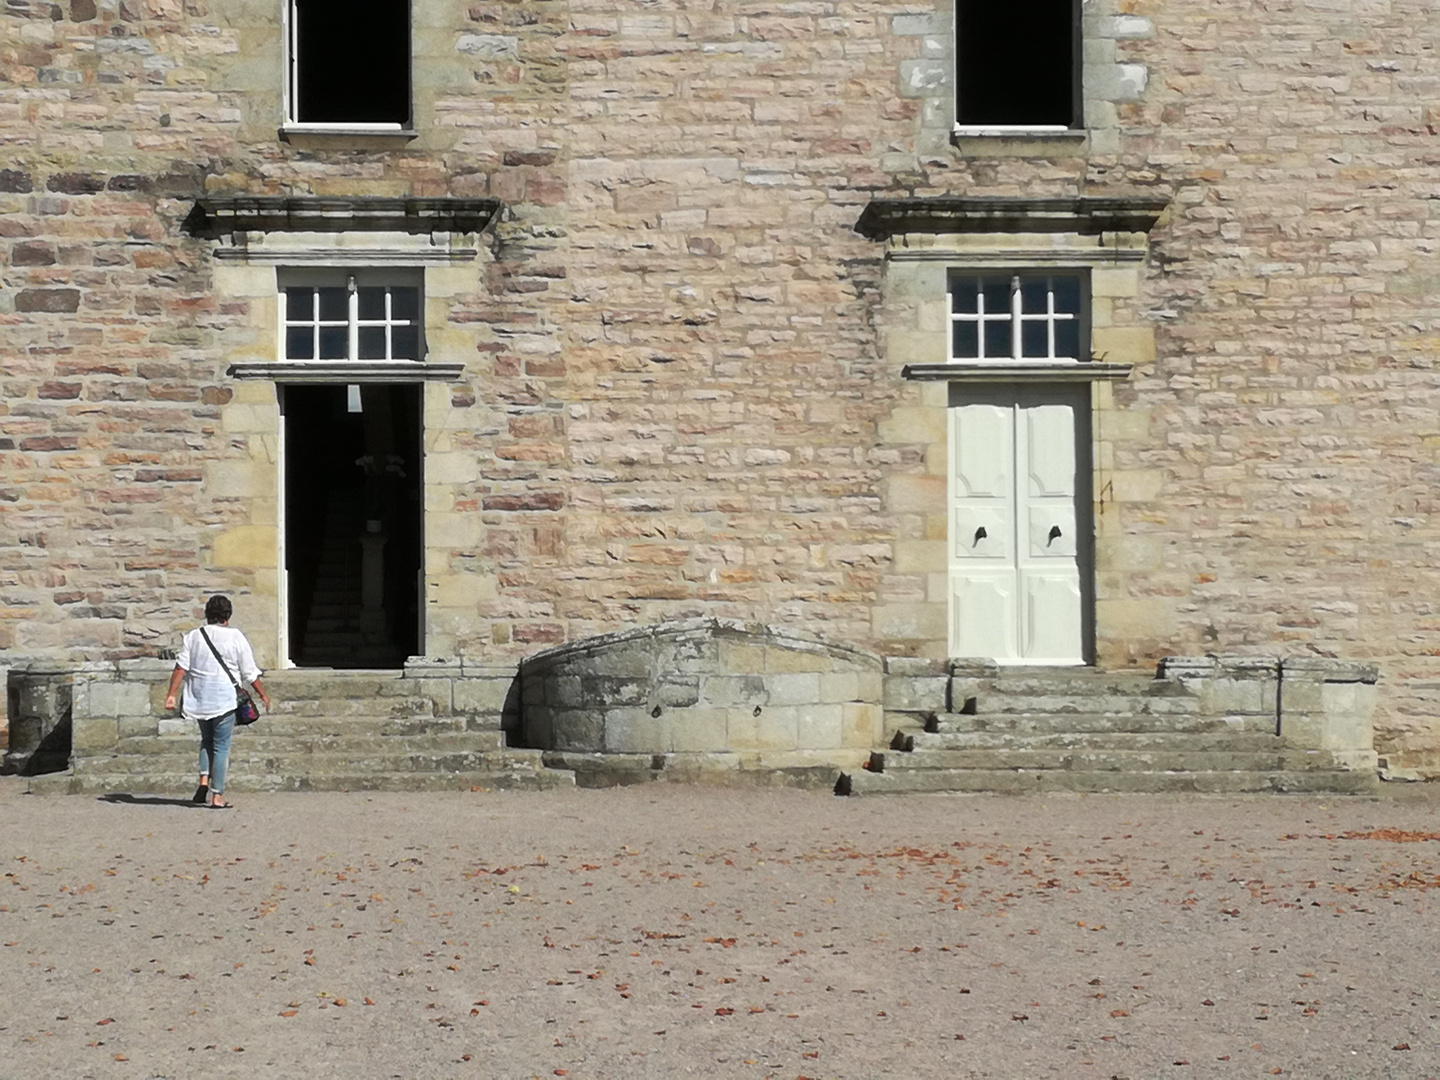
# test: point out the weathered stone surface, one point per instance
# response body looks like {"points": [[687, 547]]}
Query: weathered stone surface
{"points": [[714, 686]]}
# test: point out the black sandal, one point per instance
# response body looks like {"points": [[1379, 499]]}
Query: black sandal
{"points": [[201, 794]]}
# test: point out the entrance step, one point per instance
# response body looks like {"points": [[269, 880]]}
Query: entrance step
{"points": [[180, 783], [1037, 781], [1079, 729], [1035, 723], [431, 728]]}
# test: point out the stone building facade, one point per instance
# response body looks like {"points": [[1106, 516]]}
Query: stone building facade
{"points": [[692, 286]]}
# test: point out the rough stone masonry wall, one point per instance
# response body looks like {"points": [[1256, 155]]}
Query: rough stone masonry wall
{"points": [[674, 396]]}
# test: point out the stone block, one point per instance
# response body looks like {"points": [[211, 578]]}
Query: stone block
{"points": [[577, 729], [840, 686], [112, 699], [129, 727], [635, 731], [861, 724], [246, 546], [913, 621], [561, 691], [793, 660], [907, 425], [734, 690], [793, 688], [819, 727], [742, 725], [699, 730], [1124, 344], [741, 657], [603, 691], [174, 725], [536, 726], [677, 691], [1244, 697], [909, 693], [777, 728], [922, 494], [92, 735]]}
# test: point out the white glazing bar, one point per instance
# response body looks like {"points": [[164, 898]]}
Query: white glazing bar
{"points": [[1050, 318]]}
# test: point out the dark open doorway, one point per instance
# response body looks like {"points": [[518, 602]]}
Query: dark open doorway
{"points": [[352, 524]]}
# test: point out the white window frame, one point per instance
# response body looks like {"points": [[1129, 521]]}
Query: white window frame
{"points": [[353, 279], [293, 125], [1017, 317]]}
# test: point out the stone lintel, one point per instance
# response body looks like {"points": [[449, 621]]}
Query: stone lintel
{"points": [[348, 371], [1068, 371], [1086, 215]]}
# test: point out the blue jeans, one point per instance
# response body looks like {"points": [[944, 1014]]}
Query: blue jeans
{"points": [[215, 748]]}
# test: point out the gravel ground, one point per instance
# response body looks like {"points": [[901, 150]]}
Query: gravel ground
{"points": [[669, 931]]}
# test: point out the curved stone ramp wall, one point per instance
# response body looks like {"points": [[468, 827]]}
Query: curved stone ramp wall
{"points": [[712, 700]]}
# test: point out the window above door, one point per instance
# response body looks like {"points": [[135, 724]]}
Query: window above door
{"points": [[1016, 318], [351, 315], [347, 67]]}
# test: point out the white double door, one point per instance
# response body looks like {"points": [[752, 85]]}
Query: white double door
{"points": [[1019, 523]]}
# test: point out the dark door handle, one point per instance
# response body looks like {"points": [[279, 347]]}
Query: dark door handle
{"points": [[1054, 534], [980, 534]]}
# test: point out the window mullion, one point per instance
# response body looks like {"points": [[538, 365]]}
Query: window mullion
{"points": [[353, 329], [1016, 326], [1050, 317]]}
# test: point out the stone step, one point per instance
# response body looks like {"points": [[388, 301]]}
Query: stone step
{"points": [[1158, 705], [1277, 759], [1047, 722], [287, 764], [278, 743], [1076, 682], [1041, 781], [179, 784], [1193, 741], [300, 725]]}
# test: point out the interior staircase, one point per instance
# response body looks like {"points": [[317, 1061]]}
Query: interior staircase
{"points": [[331, 731], [1082, 730]]}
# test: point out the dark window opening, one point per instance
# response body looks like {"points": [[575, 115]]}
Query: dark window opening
{"points": [[350, 62], [353, 510], [1018, 63]]}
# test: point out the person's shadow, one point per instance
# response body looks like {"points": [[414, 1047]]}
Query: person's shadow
{"points": [[146, 800]]}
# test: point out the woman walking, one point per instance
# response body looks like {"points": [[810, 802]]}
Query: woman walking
{"points": [[212, 660]]}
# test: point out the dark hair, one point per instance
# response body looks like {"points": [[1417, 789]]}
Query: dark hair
{"points": [[218, 609]]}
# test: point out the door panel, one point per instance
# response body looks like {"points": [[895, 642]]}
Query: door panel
{"points": [[1052, 621], [984, 611], [1019, 523]]}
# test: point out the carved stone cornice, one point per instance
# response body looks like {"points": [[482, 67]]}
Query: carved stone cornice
{"points": [[1085, 215], [217, 216]]}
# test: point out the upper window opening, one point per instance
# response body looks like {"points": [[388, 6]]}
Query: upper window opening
{"points": [[1016, 317], [1018, 63], [349, 63], [353, 318]]}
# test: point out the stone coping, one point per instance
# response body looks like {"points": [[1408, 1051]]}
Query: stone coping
{"points": [[1327, 669], [693, 629]]}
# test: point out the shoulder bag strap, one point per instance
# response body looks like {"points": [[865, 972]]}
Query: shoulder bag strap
{"points": [[223, 666]]}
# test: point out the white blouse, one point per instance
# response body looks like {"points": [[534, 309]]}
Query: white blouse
{"points": [[208, 690]]}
